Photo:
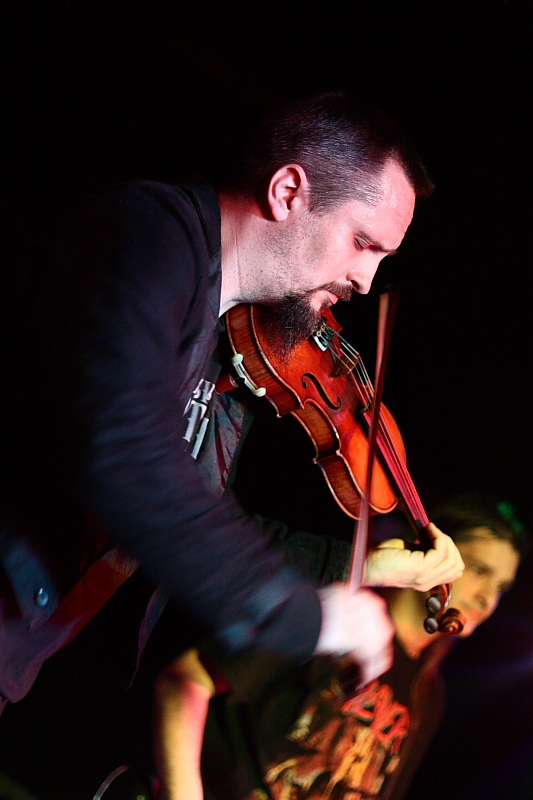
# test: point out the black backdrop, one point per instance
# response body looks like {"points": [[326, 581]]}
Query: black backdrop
{"points": [[100, 91]]}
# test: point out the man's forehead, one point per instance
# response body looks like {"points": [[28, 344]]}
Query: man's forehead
{"points": [[386, 221]]}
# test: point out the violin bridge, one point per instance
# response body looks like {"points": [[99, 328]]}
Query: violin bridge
{"points": [[343, 363], [341, 366]]}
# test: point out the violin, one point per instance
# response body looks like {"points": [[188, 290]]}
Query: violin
{"points": [[323, 383]]}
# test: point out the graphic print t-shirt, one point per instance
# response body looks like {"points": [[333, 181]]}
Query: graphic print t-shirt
{"points": [[342, 746]]}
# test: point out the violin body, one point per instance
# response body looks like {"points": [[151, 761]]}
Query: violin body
{"points": [[323, 384], [323, 395]]}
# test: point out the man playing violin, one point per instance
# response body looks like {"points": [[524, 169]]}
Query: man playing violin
{"points": [[122, 387]]}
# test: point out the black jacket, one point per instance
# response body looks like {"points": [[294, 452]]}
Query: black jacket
{"points": [[126, 323]]}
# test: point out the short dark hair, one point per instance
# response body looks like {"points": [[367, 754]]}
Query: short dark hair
{"points": [[342, 142], [462, 512]]}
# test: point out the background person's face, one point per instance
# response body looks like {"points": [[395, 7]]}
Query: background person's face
{"points": [[490, 569]]}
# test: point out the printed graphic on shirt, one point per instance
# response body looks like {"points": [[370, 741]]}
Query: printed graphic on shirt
{"points": [[340, 749], [196, 413]]}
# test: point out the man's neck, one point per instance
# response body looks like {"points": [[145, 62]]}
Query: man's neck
{"points": [[242, 223], [233, 214]]}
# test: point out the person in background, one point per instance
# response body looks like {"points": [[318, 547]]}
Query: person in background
{"points": [[297, 733]]}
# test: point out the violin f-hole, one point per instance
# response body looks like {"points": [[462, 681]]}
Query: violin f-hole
{"points": [[318, 386]]}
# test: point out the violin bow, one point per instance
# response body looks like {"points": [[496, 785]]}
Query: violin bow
{"points": [[440, 617], [388, 306]]}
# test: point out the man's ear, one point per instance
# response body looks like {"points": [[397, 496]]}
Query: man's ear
{"points": [[287, 191]]}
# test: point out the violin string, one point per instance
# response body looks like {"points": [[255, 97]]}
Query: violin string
{"points": [[349, 355], [366, 394]]}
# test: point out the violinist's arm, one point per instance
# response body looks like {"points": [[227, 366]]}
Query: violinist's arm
{"points": [[392, 563]]}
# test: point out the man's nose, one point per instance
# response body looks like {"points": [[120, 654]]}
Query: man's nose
{"points": [[361, 278]]}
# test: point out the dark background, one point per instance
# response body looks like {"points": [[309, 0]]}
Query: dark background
{"points": [[101, 91]]}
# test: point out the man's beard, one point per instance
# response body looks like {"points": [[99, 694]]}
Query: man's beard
{"points": [[294, 319]]}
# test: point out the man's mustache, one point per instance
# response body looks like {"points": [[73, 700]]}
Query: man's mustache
{"points": [[341, 290]]}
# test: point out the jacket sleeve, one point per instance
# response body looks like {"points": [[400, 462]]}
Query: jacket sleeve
{"points": [[322, 559], [118, 377]]}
